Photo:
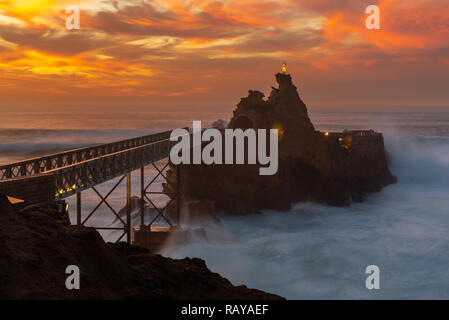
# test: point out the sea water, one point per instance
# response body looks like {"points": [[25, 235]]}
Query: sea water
{"points": [[314, 250]]}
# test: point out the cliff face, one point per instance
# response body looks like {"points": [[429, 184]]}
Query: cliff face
{"points": [[36, 246], [330, 168]]}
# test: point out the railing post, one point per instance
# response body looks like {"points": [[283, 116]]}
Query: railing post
{"points": [[128, 207], [178, 194], [48, 164], [142, 196], [8, 172], [78, 208], [36, 167], [69, 158], [59, 162]]}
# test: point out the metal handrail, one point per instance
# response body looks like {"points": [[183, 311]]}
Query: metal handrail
{"points": [[86, 174], [58, 160]]}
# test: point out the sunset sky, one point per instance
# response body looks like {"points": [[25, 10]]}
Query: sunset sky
{"points": [[207, 54]]}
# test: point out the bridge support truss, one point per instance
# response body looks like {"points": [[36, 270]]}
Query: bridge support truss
{"points": [[71, 172], [172, 195], [126, 223]]}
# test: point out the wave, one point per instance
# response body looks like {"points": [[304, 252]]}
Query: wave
{"points": [[420, 159], [321, 252]]}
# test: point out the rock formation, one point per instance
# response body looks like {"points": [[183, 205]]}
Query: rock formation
{"points": [[332, 168], [36, 246]]}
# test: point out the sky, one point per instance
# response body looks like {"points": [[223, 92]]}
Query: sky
{"points": [[204, 54]]}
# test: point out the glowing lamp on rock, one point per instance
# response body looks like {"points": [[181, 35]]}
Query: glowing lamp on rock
{"points": [[284, 68]]}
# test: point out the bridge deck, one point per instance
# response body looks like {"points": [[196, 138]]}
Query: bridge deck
{"points": [[58, 160], [61, 175], [87, 174]]}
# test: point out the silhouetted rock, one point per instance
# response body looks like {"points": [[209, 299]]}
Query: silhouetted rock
{"points": [[36, 246], [332, 168]]}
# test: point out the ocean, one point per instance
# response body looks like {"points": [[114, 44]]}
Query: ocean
{"points": [[313, 251]]}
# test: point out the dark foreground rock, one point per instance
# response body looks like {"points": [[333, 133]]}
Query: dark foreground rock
{"points": [[36, 246]]}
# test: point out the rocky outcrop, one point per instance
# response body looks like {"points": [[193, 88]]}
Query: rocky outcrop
{"points": [[313, 166], [36, 246]]}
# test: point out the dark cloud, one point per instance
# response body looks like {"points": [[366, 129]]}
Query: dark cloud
{"points": [[280, 40], [326, 6], [72, 43], [132, 53], [144, 20]]}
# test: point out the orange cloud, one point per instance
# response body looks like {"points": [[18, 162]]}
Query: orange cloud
{"points": [[200, 48]]}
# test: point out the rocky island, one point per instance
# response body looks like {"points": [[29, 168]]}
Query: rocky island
{"points": [[333, 168]]}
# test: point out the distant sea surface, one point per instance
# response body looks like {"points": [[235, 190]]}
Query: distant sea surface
{"points": [[313, 251]]}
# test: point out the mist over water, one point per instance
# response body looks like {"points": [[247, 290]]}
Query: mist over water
{"points": [[318, 251], [313, 251]]}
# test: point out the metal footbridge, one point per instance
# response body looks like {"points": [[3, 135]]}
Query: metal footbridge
{"points": [[81, 169]]}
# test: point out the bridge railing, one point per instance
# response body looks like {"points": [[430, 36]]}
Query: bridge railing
{"points": [[67, 158], [86, 174]]}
